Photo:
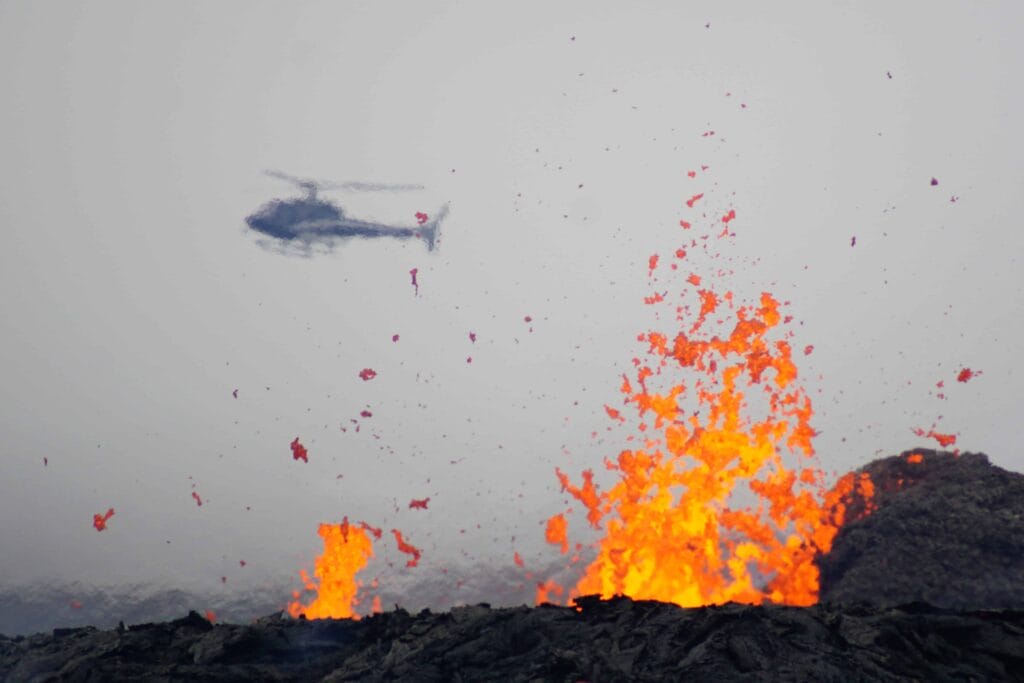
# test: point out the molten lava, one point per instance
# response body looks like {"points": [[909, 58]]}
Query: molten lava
{"points": [[720, 420], [100, 520], [347, 549]]}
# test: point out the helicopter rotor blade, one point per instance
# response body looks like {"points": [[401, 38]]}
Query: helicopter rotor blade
{"points": [[371, 187], [309, 184]]}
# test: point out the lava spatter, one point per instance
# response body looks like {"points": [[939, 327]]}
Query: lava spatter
{"points": [[967, 374], [943, 439], [672, 525], [347, 549], [412, 551], [100, 520], [299, 451]]}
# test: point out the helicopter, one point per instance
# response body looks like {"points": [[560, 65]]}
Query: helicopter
{"points": [[310, 220]]}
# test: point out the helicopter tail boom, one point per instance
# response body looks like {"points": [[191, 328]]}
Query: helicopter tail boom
{"points": [[432, 230]]}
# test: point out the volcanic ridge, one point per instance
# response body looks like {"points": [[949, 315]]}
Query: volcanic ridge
{"points": [[925, 581]]}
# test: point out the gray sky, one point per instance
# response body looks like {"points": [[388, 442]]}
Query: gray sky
{"points": [[135, 136]]}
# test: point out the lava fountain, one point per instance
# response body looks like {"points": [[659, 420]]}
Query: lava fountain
{"points": [[719, 418], [347, 549]]}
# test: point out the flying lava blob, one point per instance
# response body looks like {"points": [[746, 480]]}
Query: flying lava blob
{"points": [[299, 451], [100, 520], [717, 501]]}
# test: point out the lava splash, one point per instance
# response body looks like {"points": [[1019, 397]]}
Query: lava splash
{"points": [[721, 419], [347, 549]]}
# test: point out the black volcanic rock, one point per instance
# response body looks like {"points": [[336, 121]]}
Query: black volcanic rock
{"points": [[948, 530], [615, 640]]}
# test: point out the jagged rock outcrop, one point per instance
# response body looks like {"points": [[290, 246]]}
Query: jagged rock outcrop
{"points": [[616, 640], [948, 530]]}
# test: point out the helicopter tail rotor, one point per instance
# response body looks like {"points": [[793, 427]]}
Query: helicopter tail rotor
{"points": [[432, 230]]}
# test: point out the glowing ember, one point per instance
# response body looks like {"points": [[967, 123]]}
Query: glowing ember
{"points": [[347, 549], [966, 374], [410, 550], [652, 263], [366, 374], [673, 524], [100, 521], [556, 532], [299, 451], [693, 200], [418, 503], [943, 439], [915, 458]]}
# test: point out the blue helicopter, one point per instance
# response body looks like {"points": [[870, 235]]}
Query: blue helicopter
{"points": [[311, 221]]}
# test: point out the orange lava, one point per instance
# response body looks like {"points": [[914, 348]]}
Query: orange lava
{"points": [[966, 374], [915, 458], [719, 502], [299, 451], [404, 547], [100, 521], [556, 532], [943, 439], [347, 549]]}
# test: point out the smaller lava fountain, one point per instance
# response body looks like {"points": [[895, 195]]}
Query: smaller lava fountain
{"points": [[347, 549]]}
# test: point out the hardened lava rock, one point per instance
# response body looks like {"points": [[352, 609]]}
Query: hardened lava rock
{"points": [[948, 530], [605, 640]]}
